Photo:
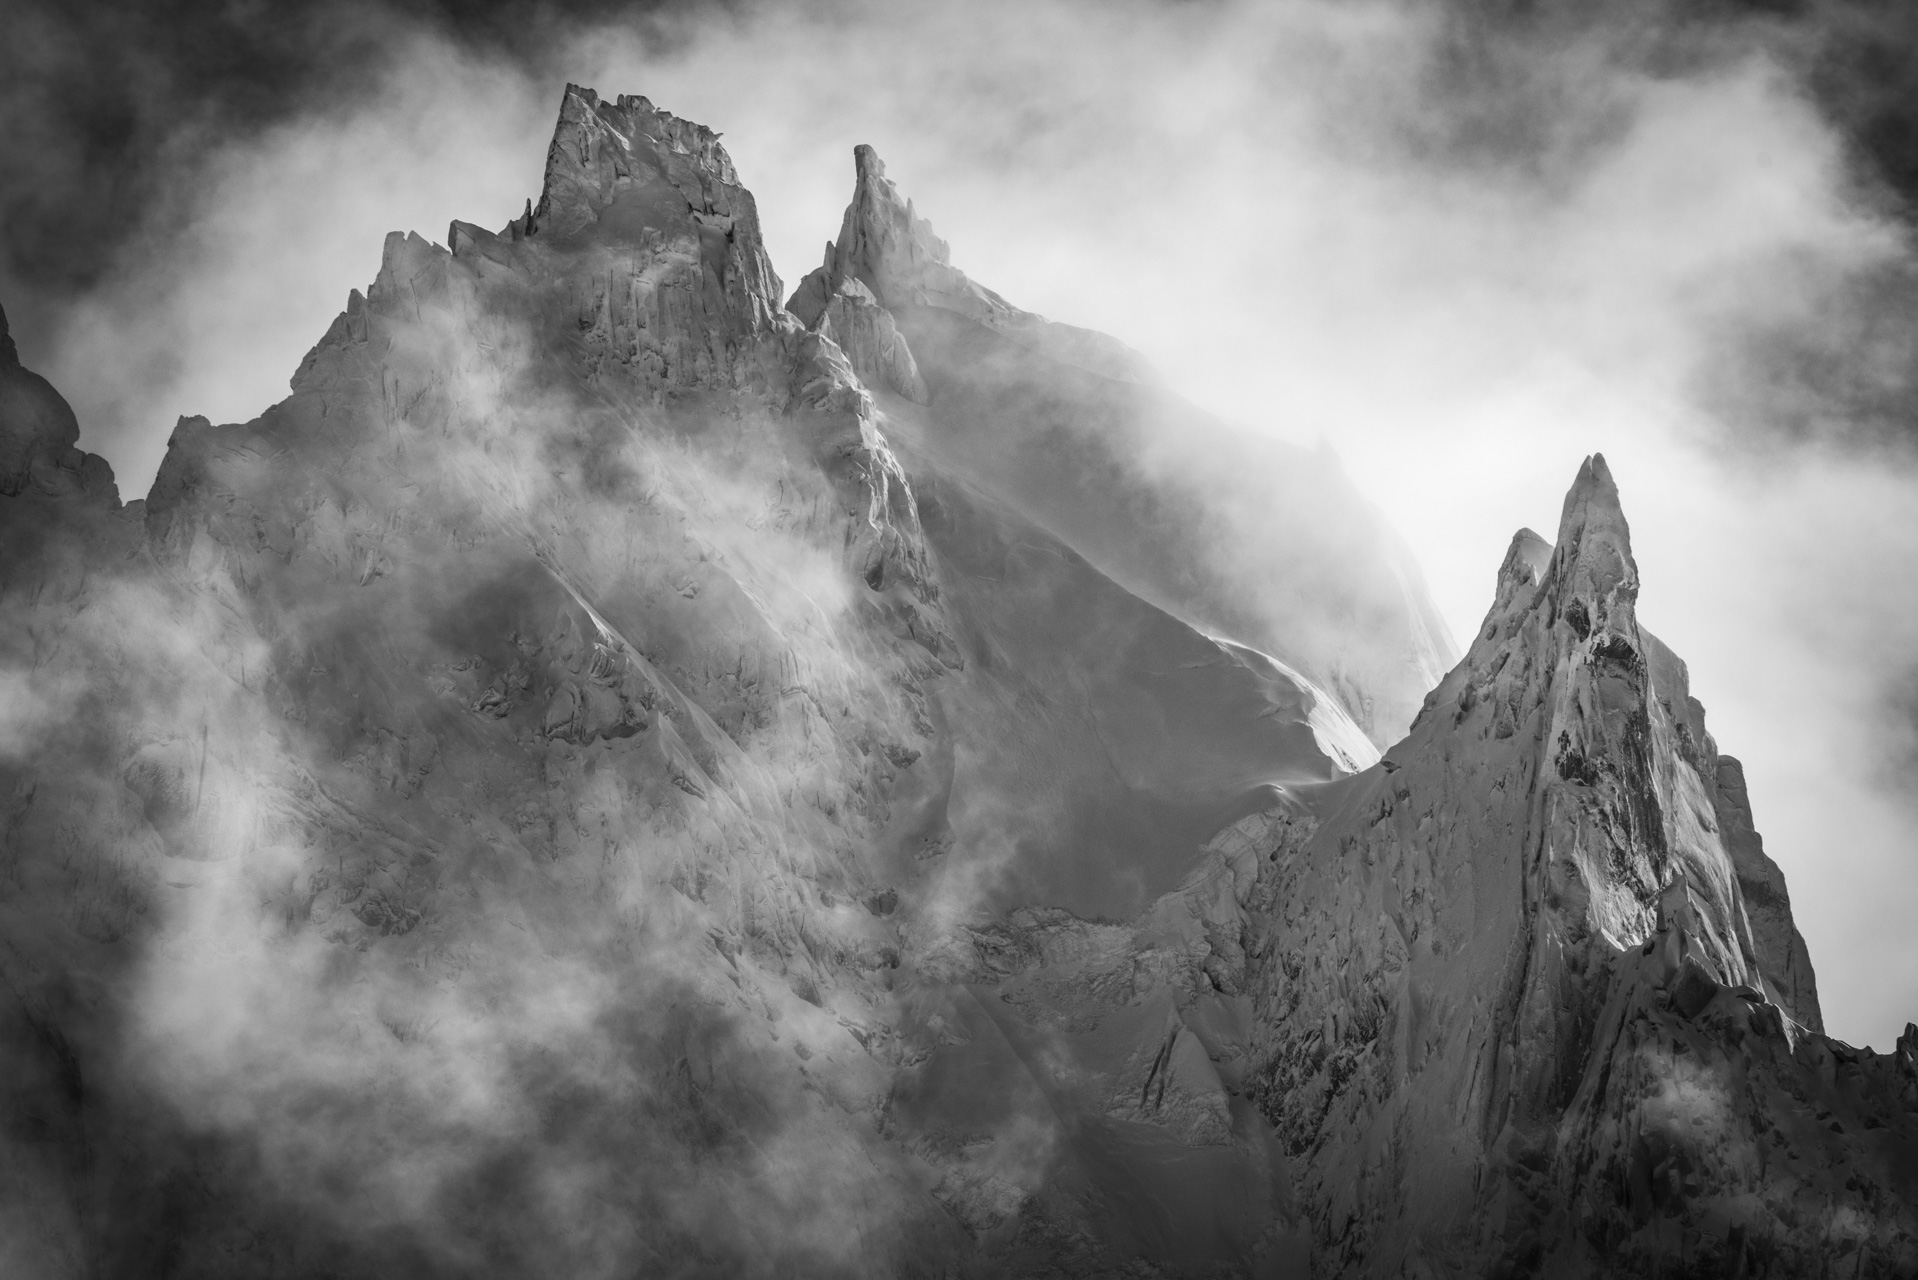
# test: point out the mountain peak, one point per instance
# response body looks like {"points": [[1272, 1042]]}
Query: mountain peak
{"points": [[1562, 655], [1593, 491], [1593, 567], [9, 354], [883, 241], [605, 155], [885, 245], [1608, 885], [632, 195]]}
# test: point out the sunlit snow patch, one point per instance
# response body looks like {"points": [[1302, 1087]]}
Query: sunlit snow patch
{"points": [[1336, 733]]}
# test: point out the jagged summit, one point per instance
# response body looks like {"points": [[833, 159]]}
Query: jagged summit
{"points": [[1612, 707], [885, 245], [1591, 564], [1551, 902], [1594, 557], [1587, 577], [600, 148], [624, 178], [1592, 498]]}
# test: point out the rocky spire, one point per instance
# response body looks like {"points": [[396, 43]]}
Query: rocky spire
{"points": [[1592, 569], [886, 246], [1623, 742], [1594, 873]]}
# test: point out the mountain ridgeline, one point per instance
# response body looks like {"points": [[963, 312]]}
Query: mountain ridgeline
{"points": [[624, 772]]}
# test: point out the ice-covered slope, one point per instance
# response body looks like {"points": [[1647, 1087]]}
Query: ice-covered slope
{"points": [[612, 777]]}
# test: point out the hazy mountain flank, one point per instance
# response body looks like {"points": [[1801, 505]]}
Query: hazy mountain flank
{"points": [[624, 774]]}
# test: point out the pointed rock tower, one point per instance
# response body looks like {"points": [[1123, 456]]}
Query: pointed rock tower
{"points": [[1516, 1018], [885, 246]]}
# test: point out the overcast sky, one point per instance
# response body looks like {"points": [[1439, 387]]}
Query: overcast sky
{"points": [[1464, 250]]}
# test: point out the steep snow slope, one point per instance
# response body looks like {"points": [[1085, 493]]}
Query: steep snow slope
{"points": [[588, 785]]}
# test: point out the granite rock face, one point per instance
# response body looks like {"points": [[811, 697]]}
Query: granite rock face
{"points": [[618, 775]]}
